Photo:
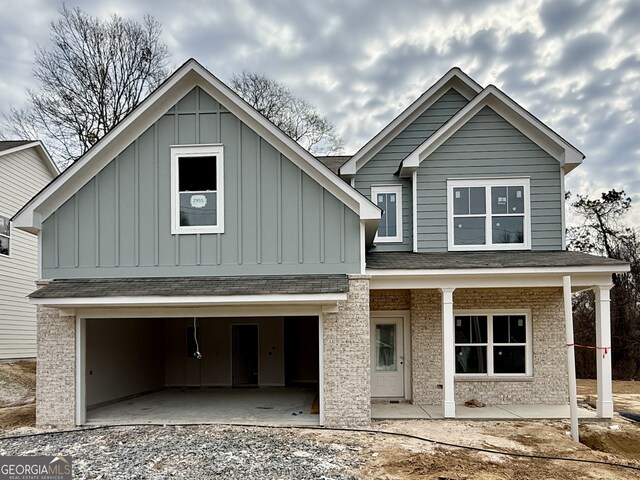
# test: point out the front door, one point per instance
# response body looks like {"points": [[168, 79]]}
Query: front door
{"points": [[387, 357]]}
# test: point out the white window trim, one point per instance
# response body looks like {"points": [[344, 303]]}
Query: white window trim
{"points": [[397, 189], [488, 183], [9, 237], [490, 344], [179, 151]]}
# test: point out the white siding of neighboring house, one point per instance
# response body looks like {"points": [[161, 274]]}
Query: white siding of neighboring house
{"points": [[22, 175]]}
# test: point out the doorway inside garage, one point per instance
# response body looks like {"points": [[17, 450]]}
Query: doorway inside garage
{"points": [[201, 370]]}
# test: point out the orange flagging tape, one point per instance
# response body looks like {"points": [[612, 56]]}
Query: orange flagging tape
{"points": [[595, 347]]}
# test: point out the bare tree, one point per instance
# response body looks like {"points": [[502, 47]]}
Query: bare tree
{"points": [[293, 115], [91, 76], [603, 231]]}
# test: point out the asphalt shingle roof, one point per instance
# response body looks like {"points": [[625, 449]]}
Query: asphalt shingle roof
{"points": [[506, 259], [8, 144], [334, 162], [193, 286]]}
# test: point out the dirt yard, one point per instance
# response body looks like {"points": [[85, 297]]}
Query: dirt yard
{"points": [[366, 455], [626, 394]]}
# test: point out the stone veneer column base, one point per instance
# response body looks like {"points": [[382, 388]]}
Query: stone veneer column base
{"points": [[347, 360], [55, 368]]}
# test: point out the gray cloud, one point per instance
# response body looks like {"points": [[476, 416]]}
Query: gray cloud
{"points": [[574, 64]]}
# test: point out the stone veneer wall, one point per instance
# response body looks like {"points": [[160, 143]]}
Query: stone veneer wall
{"points": [[346, 358], [549, 384], [55, 368]]}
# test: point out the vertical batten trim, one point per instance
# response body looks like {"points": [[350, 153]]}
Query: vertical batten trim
{"points": [[116, 205], [239, 192], [219, 119], [56, 240], [300, 219], [76, 230], [322, 192], [156, 195], [343, 240], [176, 238], [279, 208], [258, 201], [198, 248], [136, 204], [197, 116], [219, 140], [96, 208]]}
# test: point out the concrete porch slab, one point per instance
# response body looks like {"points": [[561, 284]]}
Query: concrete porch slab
{"points": [[397, 411], [490, 412], [268, 406]]}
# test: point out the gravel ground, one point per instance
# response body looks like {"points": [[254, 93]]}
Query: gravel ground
{"points": [[193, 452]]}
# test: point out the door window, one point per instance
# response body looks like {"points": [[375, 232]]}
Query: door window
{"points": [[386, 348]]}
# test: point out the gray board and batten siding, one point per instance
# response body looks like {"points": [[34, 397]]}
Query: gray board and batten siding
{"points": [[277, 219], [489, 146], [381, 169]]}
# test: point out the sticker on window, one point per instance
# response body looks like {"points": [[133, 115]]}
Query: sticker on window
{"points": [[457, 193], [458, 322], [518, 193], [392, 198], [198, 201], [520, 322], [502, 200], [380, 198]]}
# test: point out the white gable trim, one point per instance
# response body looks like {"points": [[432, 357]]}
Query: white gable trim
{"points": [[42, 152], [190, 75], [566, 154], [454, 78]]}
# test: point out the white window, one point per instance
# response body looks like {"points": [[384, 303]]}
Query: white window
{"points": [[389, 199], [5, 236], [489, 214], [493, 343], [197, 189]]}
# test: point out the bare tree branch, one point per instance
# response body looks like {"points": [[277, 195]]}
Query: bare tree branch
{"points": [[294, 116], [93, 74]]}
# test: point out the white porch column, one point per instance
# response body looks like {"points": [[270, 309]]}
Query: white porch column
{"points": [[604, 405], [448, 353], [571, 359]]}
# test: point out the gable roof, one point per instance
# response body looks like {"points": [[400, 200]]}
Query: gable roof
{"points": [[181, 82], [7, 147], [454, 78], [566, 154]]}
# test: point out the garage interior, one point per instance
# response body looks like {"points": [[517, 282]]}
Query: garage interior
{"points": [[202, 370]]}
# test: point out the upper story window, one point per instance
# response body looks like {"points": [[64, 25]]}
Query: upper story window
{"points": [[197, 189], [389, 199], [493, 343], [489, 214], [5, 236]]}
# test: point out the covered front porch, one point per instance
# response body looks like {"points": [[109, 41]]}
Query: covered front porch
{"points": [[495, 327], [408, 411]]}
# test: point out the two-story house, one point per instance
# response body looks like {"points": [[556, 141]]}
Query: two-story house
{"points": [[25, 168], [196, 245]]}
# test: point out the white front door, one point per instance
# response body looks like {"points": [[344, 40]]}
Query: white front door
{"points": [[387, 356]]}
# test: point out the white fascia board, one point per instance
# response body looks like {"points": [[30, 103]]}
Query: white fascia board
{"points": [[42, 152], [608, 269], [580, 280], [191, 74], [454, 78], [566, 154], [288, 299]]}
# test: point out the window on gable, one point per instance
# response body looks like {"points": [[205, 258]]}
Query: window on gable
{"points": [[197, 189], [493, 343], [5, 236], [488, 214], [389, 199]]}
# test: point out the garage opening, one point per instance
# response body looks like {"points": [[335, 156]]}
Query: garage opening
{"points": [[202, 370]]}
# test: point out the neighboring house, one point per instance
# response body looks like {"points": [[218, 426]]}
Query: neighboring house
{"points": [[25, 168], [198, 245]]}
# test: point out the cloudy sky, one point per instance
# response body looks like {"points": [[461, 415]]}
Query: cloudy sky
{"points": [[575, 64]]}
